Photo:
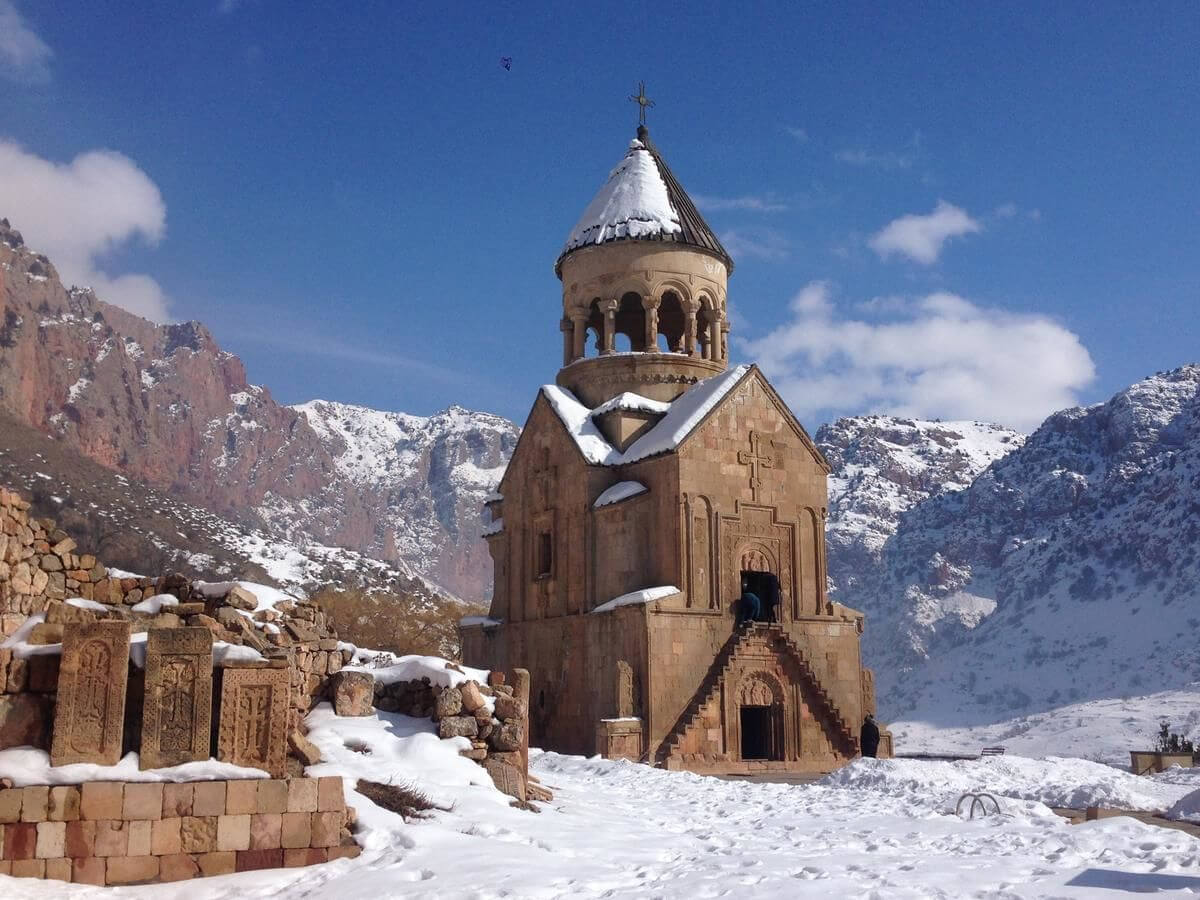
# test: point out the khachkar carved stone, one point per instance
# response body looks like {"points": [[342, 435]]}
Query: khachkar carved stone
{"points": [[88, 722], [177, 715], [253, 727]]}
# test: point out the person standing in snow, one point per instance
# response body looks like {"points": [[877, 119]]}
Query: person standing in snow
{"points": [[869, 739]]}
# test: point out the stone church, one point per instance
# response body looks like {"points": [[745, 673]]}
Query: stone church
{"points": [[651, 485]]}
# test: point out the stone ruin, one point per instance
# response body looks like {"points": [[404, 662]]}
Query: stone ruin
{"points": [[216, 677]]}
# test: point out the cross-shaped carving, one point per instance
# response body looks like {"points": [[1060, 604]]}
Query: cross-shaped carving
{"points": [[755, 458]]}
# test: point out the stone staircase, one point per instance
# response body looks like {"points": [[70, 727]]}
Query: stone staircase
{"points": [[719, 669]]}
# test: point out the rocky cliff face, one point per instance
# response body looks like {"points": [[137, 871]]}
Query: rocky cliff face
{"points": [[883, 466], [165, 405], [1066, 571]]}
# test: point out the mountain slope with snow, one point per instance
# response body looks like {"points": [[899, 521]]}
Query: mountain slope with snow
{"points": [[1067, 571]]}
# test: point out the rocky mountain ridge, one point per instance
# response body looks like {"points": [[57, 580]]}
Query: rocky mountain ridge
{"points": [[165, 405]]}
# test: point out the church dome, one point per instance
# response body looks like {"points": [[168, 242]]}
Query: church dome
{"points": [[642, 201]]}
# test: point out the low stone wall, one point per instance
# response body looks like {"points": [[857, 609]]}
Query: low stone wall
{"points": [[499, 739], [139, 832]]}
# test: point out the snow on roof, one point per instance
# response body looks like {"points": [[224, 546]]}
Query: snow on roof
{"points": [[622, 490], [486, 621], [633, 203], [493, 497], [492, 528], [631, 402], [645, 595], [682, 417]]}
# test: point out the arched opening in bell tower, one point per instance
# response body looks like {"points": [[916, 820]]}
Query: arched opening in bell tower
{"points": [[672, 323], [630, 321]]}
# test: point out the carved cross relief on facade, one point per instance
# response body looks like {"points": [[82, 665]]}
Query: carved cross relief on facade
{"points": [[756, 460]]}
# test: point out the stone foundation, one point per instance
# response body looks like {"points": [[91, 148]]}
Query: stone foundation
{"points": [[140, 832]]}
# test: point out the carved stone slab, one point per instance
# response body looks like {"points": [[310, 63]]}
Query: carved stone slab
{"points": [[177, 714], [88, 722], [253, 727]]}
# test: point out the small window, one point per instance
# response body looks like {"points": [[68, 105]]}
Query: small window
{"points": [[545, 555]]}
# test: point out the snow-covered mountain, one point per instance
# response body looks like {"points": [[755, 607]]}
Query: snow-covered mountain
{"points": [[883, 466], [1067, 571], [165, 405], [428, 476]]}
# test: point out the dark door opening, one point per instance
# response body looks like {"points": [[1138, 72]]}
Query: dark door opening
{"points": [[765, 586], [759, 738]]}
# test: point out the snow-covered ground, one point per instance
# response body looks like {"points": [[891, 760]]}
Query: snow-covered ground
{"points": [[618, 829]]}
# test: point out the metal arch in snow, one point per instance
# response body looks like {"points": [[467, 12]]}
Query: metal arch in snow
{"points": [[978, 802]]}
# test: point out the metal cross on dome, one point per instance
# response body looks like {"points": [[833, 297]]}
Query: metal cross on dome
{"points": [[642, 101]]}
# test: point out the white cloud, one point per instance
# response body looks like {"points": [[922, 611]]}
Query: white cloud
{"points": [[767, 202], [1006, 210], [23, 55], [77, 212], [940, 356], [920, 238], [799, 134], [763, 243], [888, 161]]}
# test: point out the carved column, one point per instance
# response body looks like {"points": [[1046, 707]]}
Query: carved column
{"points": [[578, 335], [650, 307], [565, 327], [690, 308], [609, 308], [714, 335], [724, 340]]}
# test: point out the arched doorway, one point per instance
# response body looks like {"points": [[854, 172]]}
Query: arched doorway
{"points": [[759, 578], [760, 718]]}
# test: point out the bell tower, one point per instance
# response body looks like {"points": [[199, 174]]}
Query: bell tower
{"points": [[644, 288]]}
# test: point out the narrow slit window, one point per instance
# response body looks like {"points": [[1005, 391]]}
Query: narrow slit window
{"points": [[545, 555]]}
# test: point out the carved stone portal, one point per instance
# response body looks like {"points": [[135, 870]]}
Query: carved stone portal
{"points": [[253, 723], [177, 714], [88, 723]]}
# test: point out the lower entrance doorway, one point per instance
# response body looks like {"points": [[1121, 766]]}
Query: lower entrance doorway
{"points": [[760, 733]]}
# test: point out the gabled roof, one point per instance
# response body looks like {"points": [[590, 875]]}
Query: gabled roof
{"points": [[642, 200]]}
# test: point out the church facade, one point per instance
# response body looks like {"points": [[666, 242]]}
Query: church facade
{"points": [[652, 485]]}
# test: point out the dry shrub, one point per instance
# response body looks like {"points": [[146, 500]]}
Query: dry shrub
{"points": [[397, 622], [404, 799]]}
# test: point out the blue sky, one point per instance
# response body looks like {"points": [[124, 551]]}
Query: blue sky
{"points": [[952, 209]]}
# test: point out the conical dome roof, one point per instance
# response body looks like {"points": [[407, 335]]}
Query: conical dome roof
{"points": [[642, 201]]}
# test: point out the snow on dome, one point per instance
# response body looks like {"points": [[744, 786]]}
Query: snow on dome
{"points": [[631, 402], [622, 490], [632, 204], [645, 595]]}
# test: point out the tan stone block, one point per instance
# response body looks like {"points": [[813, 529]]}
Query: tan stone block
{"points": [[165, 837], [142, 801], [177, 801], [327, 828], [305, 856], [64, 803], [222, 863], [140, 837], [297, 830], [344, 851], [266, 831], [102, 800], [208, 798], [51, 840], [35, 804], [58, 869], [302, 795], [29, 868], [233, 832], [112, 838], [272, 796], [330, 795], [177, 867], [80, 839], [88, 870], [198, 834], [241, 797], [10, 804], [131, 870]]}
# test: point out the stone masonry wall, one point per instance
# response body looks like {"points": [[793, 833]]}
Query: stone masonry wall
{"points": [[134, 833]]}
